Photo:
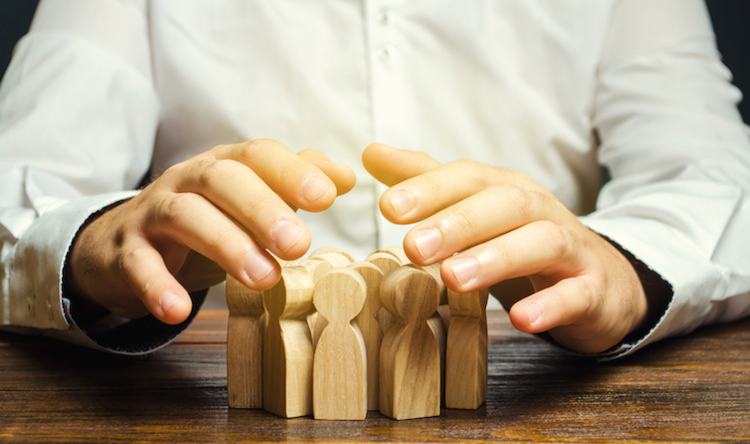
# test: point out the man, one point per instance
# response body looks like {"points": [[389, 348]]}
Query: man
{"points": [[549, 91]]}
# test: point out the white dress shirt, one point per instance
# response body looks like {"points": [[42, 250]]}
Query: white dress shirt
{"points": [[101, 91]]}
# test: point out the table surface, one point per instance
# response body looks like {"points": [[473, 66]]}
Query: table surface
{"points": [[688, 389]]}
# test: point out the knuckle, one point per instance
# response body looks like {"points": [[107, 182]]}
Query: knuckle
{"points": [[430, 185], [171, 210], [294, 171], [461, 221], [129, 260], [174, 172], [505, 256], [223, 238], [211, 172], [521, 199], [559, 238], [259, 145], [589, 296], [266, 202], [474, 171]]}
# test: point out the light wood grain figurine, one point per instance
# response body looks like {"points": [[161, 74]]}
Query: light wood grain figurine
{"points": [[439, 321], [335, 258], [466, 360], [409, 355], [287, 346], [244, 346], [398, 252], [434, 271], [371, 332], [325, 250], [340, 364], [386, 261], [441, 337], [318, 269]]}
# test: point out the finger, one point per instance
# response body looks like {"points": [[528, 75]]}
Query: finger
{"points": [[539, 248], [296, 180], [391, 165], [149, 278], [565, 303], [419, 197], [341, 175], [193, 221], [478, 218], [246, 198]]}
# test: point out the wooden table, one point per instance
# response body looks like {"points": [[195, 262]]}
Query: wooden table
{"points": [[687, 389]]}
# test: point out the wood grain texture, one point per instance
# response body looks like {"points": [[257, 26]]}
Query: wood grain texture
{"points": [[386, 261], [337, 259], [440, 331], [409, 354], [397, 252], [340, 363], [244, 346], [371, 332], [287, 346], [434, 271], [691, 389], [325, 250], [317, 268], [466, 350]]}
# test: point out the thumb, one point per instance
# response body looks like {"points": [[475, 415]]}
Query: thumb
{"points": [[391, 165]]}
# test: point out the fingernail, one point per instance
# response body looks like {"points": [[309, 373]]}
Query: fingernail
{"points": [[533, 311], [167, 300], [257, 266], [312, 188], [286, 233], [464, 269], [402, 202], [427, 242]]}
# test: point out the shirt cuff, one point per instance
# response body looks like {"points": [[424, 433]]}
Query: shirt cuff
{"points": [[35, 278], [659, 294], [96, 328], [670, 265]]}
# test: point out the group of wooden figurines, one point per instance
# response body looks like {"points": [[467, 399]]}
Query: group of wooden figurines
{"points": [[336, 338]]}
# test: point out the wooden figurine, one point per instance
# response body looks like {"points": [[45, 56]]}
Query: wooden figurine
{"points": [[336, 259], [318, 269], [244, 346], [409, 355], [434, 271], [340, 363], [386, 262], [439, 321], [371, 332], [466, 362], [397, 252], [441, 336], [287, 346], [325, 250]]}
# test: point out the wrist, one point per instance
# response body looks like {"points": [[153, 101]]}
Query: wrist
{"points": [[657, 293]]}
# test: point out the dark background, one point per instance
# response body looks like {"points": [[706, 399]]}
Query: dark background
{"points": [[731, 20]]}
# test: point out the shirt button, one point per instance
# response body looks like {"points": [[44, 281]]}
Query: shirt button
{"points": [[385, 18], [386, 52]]}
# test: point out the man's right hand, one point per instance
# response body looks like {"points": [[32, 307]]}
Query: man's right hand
{"points": [[214, 213]]}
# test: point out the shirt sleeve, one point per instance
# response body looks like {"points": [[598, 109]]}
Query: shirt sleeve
{"points": [[78, 117], [679, 158]]}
